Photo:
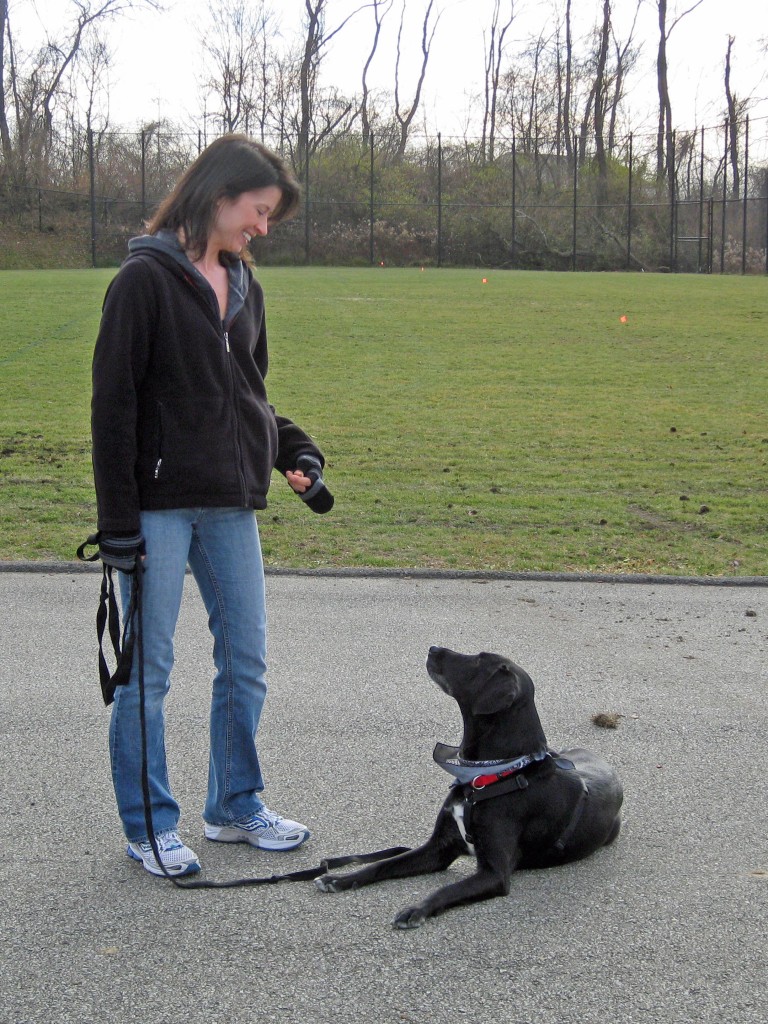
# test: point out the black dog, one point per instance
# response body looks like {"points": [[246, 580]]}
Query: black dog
{"points": [[514, 804]]}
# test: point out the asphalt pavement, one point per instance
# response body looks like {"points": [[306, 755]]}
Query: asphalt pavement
{"points": [[667, 926]]}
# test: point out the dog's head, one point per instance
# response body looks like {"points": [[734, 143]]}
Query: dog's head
{"points": [[496, 700], [481, 684]]}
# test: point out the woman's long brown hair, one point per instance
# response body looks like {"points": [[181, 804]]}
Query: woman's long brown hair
{"points": [[228, 167]]}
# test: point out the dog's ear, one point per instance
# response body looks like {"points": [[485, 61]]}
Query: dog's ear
{"points": [[498, 691]]}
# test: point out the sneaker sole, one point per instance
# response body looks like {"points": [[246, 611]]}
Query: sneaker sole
{"points": [[225, 834], [176, 870]]}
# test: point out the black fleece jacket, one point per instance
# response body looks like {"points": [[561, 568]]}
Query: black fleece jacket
{"points": [[179, 414]]}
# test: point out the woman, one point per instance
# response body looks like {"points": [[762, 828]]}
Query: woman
{"points": [[184, 443]]}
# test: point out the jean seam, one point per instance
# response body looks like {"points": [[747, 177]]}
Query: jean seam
{"points": [[229, 670]]}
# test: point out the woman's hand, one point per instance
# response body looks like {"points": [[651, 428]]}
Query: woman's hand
{"points": [[298, 481], [308, 483]]}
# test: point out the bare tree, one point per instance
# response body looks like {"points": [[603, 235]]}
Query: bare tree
{"points": [[665, 143], [63, 52], [626, 57], [737, 109], [493, 58], [566, 109], [563, 70], [530, 96], [86, 93], [380, 10], [405, 115], [316, 39], [599, 92], [235, 45], [263, 104], [5, 133], [36, 88]]}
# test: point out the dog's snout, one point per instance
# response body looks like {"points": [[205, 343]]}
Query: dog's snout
{"points": [[434, 663], [435, 657]]}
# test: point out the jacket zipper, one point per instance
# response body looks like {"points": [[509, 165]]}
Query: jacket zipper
{"points": [[231, 377], [238, 446]]}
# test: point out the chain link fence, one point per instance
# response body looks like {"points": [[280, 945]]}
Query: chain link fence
{"points": [[445, 203]]}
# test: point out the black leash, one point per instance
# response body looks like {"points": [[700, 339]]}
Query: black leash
{"points": [[108, 618], [329, 864]]}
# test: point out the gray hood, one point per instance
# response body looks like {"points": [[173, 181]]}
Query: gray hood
{"points": [[167, 242]]}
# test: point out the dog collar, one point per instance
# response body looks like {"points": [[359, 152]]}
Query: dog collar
{"points": [[465, 771]]}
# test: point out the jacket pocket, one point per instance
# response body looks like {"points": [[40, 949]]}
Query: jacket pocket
{"points": [[193, 449]]}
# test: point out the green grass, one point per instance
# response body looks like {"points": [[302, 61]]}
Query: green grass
{"points": [[516, 424]]}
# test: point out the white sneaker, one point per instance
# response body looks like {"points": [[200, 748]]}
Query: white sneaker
{"points": [[265, 829], [177, 858]]}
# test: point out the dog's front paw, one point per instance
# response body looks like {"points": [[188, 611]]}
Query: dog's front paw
{"points": [[411, 917], [332, 883]]}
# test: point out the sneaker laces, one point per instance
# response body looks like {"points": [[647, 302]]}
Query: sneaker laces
{"points": [[167, 841]]}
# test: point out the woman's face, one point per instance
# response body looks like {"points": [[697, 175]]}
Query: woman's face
{"points": [[239, 219]]}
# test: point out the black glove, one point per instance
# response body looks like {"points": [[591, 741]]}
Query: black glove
{"points": [[121, 551], [318, 497]]}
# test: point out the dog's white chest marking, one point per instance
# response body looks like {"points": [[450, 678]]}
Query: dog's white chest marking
{"points": [[457, 810]]}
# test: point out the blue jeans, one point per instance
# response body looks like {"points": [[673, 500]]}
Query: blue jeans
{"points": [[222, 548]]}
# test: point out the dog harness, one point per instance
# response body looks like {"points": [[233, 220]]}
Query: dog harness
{"points": [[505, 777]]}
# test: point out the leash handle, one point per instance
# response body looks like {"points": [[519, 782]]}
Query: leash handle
{"points": [[108, 616]]}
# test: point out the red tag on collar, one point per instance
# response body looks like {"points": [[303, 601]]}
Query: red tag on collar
{"points": [[481, 781]]}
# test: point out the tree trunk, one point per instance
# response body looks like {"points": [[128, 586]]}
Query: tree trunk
{"points": [[665, 107], [5, 135], [493, 61], [405, 118], [600, 102], [307, 77], [665, 157], [733, 124], [567, 129], [379, 13]]}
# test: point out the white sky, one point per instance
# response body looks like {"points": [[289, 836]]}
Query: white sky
{"points": [[157, 55]]}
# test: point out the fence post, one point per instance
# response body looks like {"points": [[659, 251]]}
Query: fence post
{"points": [[371, 211], [514, 200], [701, 203], [724, 218], [745, 199], [92, 177], [575, 194], [710, 232], [629, 207], [143, 173], [306, 207], [672, 209], [439, 200]]}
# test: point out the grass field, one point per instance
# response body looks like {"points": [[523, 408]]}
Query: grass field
{"points": [[515, 423]]}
